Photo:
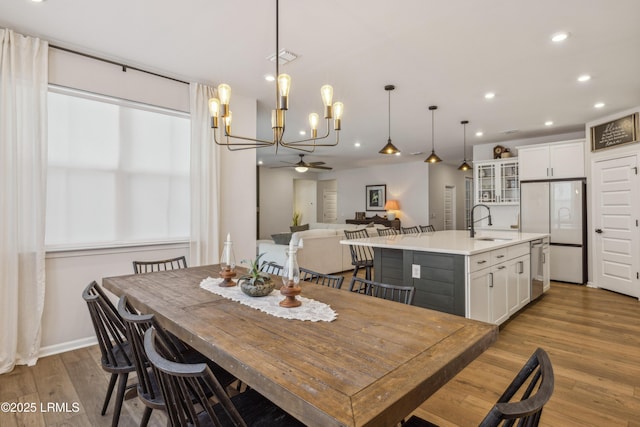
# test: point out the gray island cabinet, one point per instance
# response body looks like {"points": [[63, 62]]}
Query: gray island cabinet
{"points": [[483, 278]]}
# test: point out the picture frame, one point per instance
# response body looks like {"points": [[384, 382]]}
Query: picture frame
{"points": [[376, 197], [623, 130]]}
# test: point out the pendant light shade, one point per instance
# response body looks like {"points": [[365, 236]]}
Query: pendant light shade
{"points": [[464, 166], [433, 158], [389, 148]]}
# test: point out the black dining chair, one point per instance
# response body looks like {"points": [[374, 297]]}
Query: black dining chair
{"points": [[410, 230], [321, 278], [140, 267], [187, 388], [390, 231], [361, 256], [272, 268], [427, 228], [116, 355], [398, 293], [534, 384]]}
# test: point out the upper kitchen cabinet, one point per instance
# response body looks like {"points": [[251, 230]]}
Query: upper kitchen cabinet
{"points": [[552, 161], [496, 182]]}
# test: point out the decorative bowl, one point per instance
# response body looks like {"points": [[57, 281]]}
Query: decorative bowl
{"points": [[257, 289]]}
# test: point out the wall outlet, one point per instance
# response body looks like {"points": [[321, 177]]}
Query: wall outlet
{"points": [[415, 271]]}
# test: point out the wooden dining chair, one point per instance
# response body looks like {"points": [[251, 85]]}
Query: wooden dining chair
{"points": [[148, 389], [272, 268], [398, 293], [427, 228], [534, 382], [387, 231], [187, 388], [361, 256], [140, 267], [115, 350], [321, 278], [410, 230]]}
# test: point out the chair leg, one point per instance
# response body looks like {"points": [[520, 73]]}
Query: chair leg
{"points": [[367, 272], [107, 398], [122, 387], [355, 271], [145, 417]]}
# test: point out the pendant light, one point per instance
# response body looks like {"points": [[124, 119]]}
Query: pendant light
{"points": [[389, 148], [464, 166], [433, 158]]}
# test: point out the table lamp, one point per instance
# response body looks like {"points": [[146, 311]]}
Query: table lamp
{"points": [[390, 207]]}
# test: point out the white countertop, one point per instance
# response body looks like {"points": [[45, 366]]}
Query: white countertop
{"points": [[449, 242]]}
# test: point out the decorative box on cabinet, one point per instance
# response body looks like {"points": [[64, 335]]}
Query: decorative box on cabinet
{"points": [[552, 161], [497, 182]]}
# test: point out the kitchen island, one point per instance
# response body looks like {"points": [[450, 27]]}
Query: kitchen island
{"points": [[485, 278]]}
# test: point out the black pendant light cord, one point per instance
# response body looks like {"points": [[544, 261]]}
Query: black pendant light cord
{"points": [[389, 115]]}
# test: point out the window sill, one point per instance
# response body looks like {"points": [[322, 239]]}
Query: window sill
{"points": [[63, 251]]}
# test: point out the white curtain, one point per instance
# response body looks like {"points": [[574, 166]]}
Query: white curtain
{"points": [[23, 171], [205, 181]]}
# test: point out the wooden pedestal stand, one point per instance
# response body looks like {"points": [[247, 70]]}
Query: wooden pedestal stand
{"points": [[227, 274], [290, 290]]}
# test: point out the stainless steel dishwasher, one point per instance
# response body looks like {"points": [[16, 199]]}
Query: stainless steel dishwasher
{"points": [[539, 250]]}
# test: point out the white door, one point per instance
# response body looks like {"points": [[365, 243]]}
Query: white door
{"points": [[449, 207], [330, 206], [615, 225]]}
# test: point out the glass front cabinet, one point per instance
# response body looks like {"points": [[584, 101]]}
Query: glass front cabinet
{"points": [[496, 181]]}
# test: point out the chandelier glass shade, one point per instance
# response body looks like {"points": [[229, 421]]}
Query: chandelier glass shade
{"points": [[219, 109], [433, 158]]}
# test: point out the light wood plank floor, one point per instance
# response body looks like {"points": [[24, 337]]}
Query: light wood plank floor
{"points": [[591, 335]]}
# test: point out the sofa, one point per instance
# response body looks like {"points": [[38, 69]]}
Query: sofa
{"points": [[319, 248]]}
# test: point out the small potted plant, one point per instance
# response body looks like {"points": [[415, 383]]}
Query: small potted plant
{"points": [[255, 283]]}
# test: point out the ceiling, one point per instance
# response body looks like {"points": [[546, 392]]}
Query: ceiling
{"points": [[444, 53]]}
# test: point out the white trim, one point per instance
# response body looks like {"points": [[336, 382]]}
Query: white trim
{"points": [[50, 350], [112, 248]]}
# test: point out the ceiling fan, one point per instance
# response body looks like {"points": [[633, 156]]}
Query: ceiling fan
{"points": [[303, 166]]}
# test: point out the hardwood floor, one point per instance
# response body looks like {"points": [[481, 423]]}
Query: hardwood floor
{"points": [[592, 337]]}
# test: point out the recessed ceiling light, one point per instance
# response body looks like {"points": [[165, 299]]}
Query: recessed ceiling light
{"points": [[398, 153], [548, 123], [559, 37], [584, 78], [269, 78], [303, 132], [260, 162], [357, 144], [479, 133], [489, 95], [37, 1], [598, 105]]}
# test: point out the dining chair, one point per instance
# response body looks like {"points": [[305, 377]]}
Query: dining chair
{"points": [[535, 383], [272, 268], [410, 230], [148, 389], [321, 278], [398, 293], [187, 388], [361, 256], [115, 350], [387, 231], [140, 267], [427, 228]]}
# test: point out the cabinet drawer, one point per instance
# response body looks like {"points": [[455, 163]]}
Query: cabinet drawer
{"points": [[518, 250], [498, 255], [479, 261]]}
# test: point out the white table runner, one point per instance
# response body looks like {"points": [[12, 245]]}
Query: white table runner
{"points": [[309, 310]]}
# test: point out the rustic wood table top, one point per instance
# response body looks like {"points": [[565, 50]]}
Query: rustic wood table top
{"points": [[372, 366]]}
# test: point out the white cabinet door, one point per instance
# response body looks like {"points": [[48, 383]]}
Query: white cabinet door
{"points": [[523, 273], [496, 182], [566, 160], [533, 162], [513, 288], [479, 303], [498, 293]]}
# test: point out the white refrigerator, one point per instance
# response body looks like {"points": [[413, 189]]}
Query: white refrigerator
{"points": [[558, 208]]}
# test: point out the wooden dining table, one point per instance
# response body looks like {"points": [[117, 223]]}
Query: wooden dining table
{"points": [[372, 366]]}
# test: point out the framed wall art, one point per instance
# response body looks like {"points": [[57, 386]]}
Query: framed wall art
{"points": [[616, 132], [376, 197]]}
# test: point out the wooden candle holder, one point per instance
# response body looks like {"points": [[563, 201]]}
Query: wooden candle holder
{"points": [[227, 274], [290, 290]]}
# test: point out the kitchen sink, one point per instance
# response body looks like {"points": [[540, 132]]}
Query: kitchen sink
{"points": [[493, 239]]}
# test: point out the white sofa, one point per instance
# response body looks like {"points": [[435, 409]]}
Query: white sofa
{"points": [[319, 248]]}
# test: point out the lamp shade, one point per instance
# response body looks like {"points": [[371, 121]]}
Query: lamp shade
{"points": [[391, 205]]}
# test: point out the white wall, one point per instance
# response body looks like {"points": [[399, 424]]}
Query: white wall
{"points": [[304, 199], [276, 200], [441, 175], [407, 182]]}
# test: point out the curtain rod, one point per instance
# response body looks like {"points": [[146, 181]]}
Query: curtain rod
{"points": [[124, 66]]}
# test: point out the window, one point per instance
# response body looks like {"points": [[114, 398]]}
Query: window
{"points": [[118, 171]]}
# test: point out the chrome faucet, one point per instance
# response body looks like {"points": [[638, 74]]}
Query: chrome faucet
{"points": [[472, 231]]}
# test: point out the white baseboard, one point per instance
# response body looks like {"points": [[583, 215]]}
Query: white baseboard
{"points": [[67, 346]]}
